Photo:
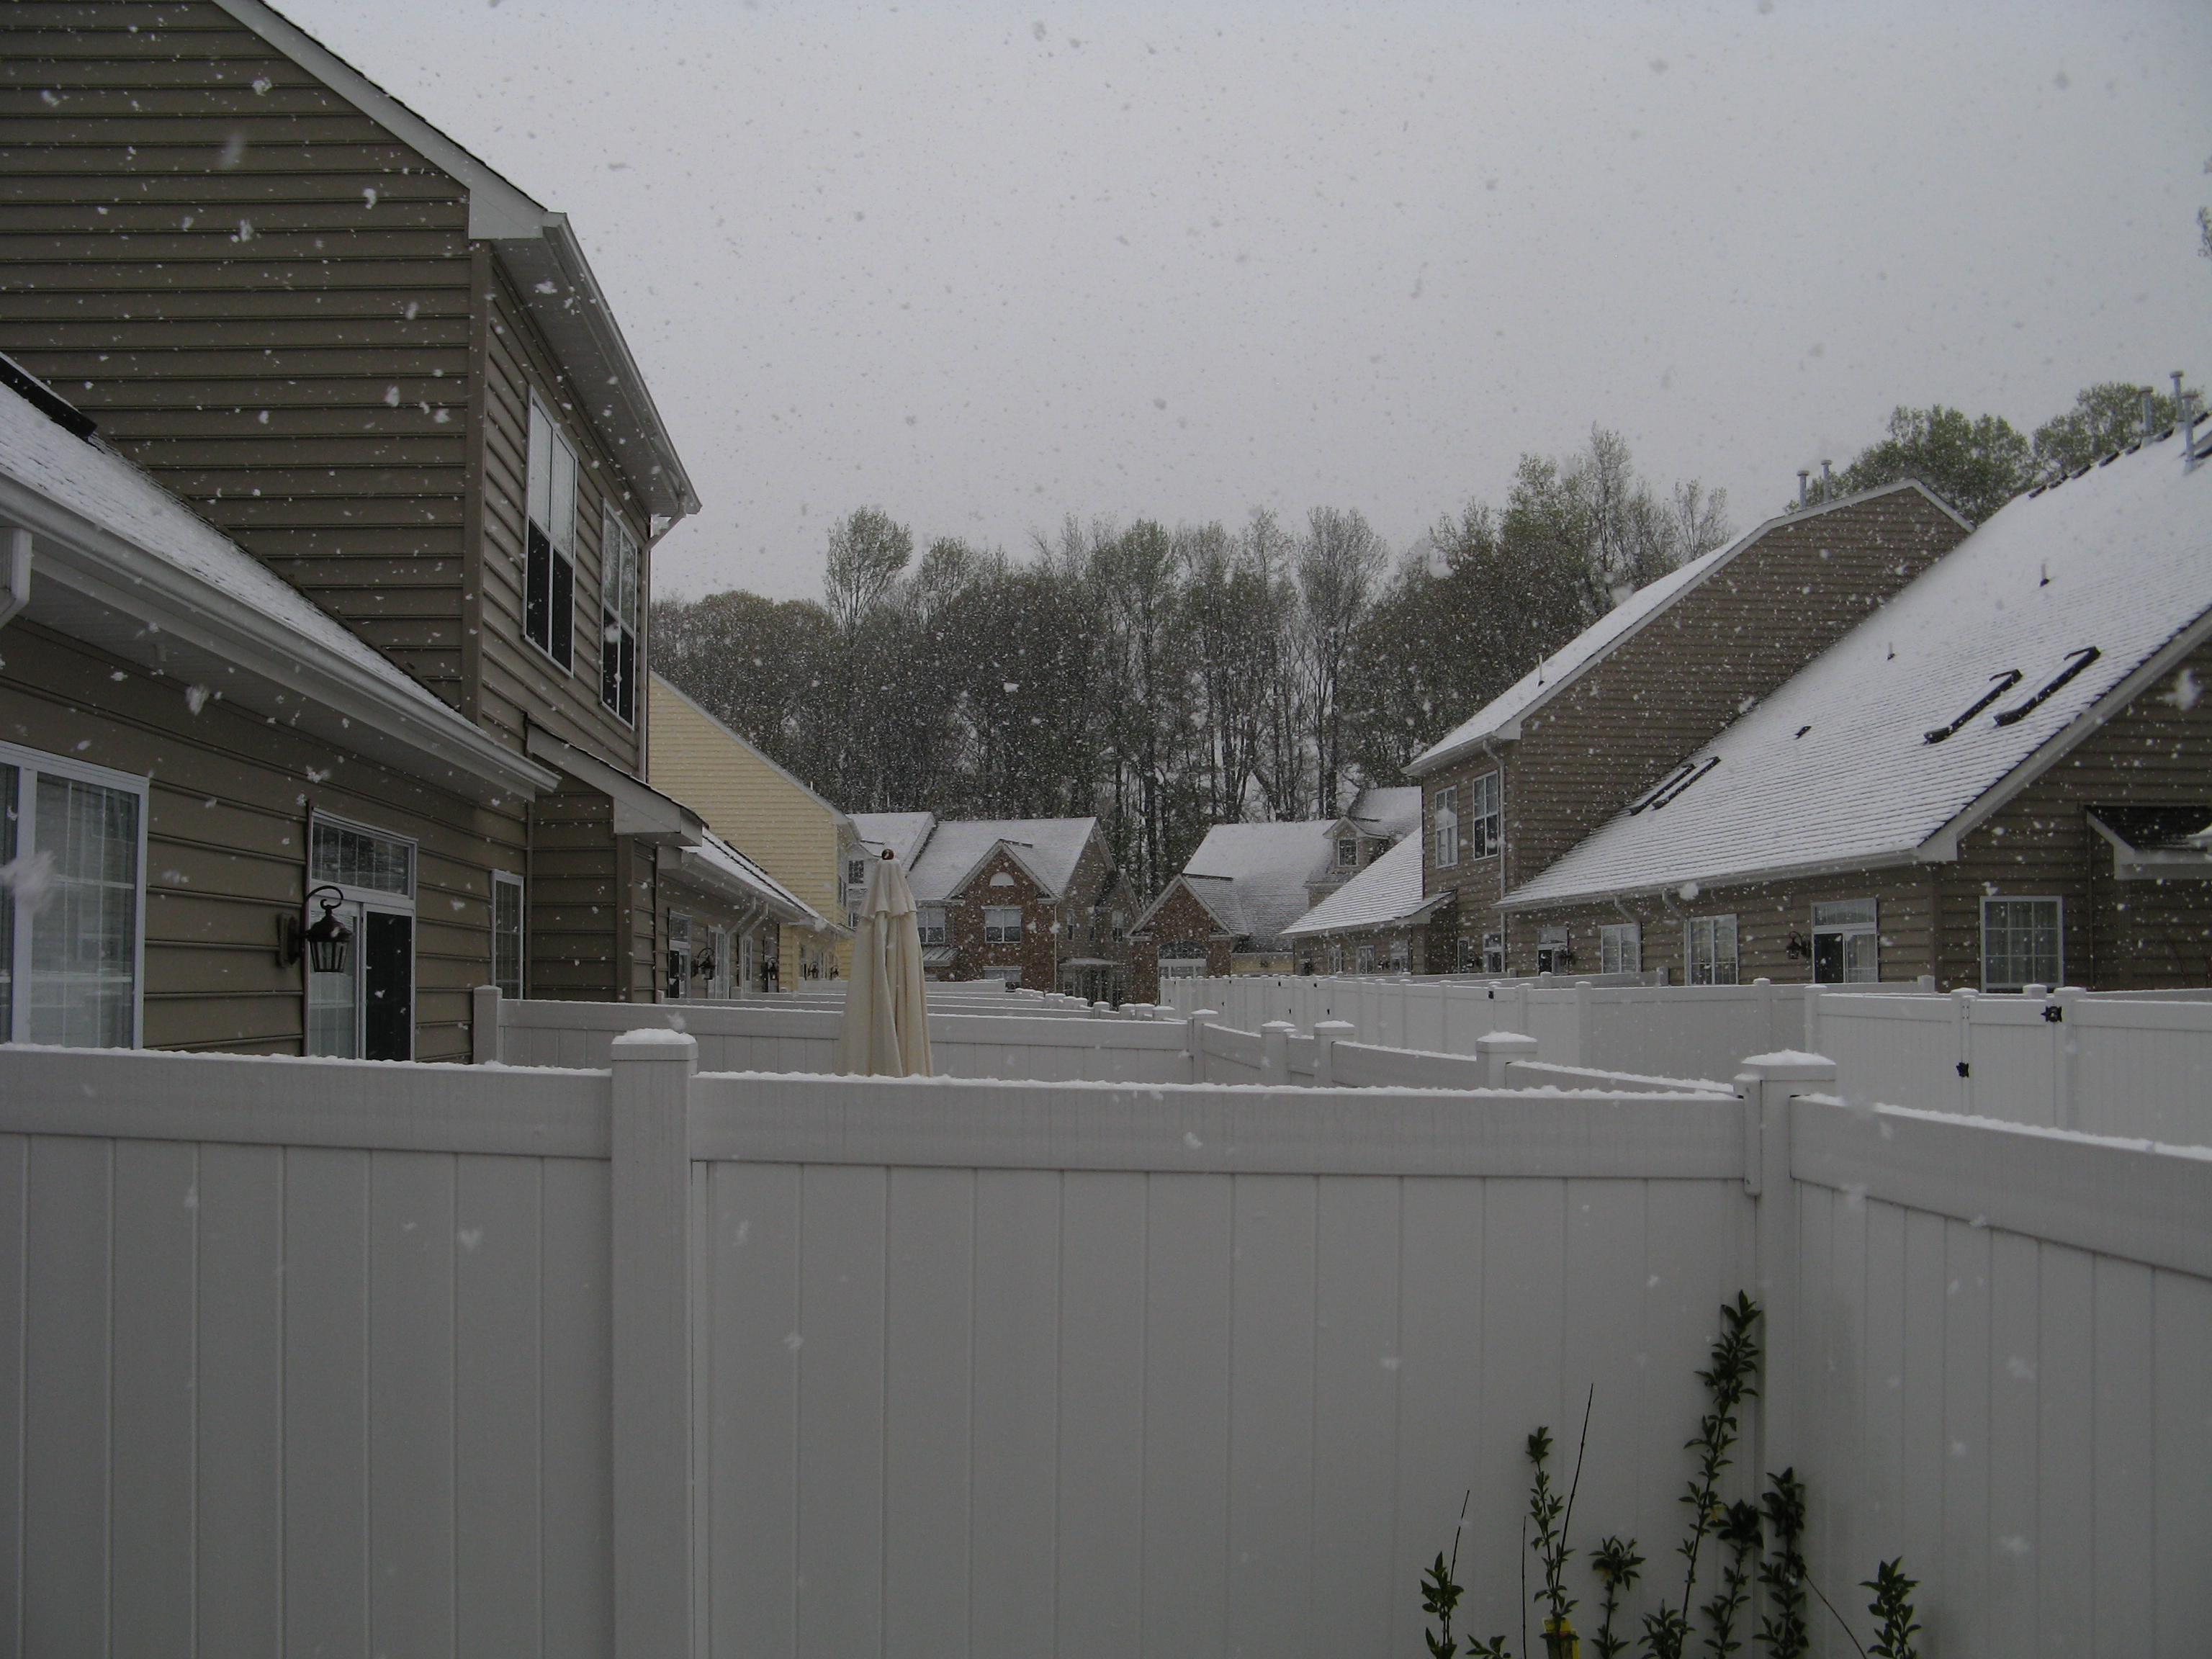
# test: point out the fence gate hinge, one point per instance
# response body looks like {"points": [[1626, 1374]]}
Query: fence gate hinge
{"points": [[1964, 1070], [2052, 1013]]}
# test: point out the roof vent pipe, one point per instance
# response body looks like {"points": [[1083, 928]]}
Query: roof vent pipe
{"points": [[1828, 480], [1803, 473]]}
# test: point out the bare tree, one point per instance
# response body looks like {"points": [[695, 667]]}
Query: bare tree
{"points": [[1338, 560]]}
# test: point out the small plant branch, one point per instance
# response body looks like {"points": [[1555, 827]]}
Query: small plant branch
{"points": [[1739, 1529], [1731, 1380], [1618, 1567], [1441, 1590], [1892, 1606], [1782, 1633]]}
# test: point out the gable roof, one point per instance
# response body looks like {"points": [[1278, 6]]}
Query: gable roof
{"points": [[1989, 646], [1386, 893], [1394, 811], [1499, 720], [1254, 874], [121, 563], [540, 253], [952, 850], [664, 684], [902, 832]]}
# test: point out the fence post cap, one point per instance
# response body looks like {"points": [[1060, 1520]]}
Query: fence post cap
{"points": [[1332, 1026], [1280, 1026], [1789, 1065], [1504, 1042], [653, 1042]]}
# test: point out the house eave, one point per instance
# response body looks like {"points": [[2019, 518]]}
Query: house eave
{"points": [[93, 586], [1807, 870]]}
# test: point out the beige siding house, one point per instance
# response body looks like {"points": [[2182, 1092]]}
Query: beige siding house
{"points": [[794, 835]]}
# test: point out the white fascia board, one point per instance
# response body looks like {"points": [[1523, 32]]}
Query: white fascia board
{"points": [[640, 810], [538, 246], [1045, 889], [700, 865], [1943, 847], [2151, 864], [90, 584], [1882, 859]]}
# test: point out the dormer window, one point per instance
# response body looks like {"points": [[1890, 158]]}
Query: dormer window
{"points": [[1347, 852]]}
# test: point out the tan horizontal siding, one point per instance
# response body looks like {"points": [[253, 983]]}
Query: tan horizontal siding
{"points": [[226, 846], [177, 294]]}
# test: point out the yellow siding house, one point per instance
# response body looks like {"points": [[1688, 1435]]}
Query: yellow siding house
{"points": [[778, 822]]}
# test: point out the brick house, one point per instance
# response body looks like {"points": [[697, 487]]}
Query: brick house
{"points": [[2003, 778], [1227, 911], [1380, 922], [1529, 776], [1037, 902]]}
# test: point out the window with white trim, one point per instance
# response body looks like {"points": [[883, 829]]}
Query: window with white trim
{"points": [[1493, 953], [1483, 799], [680, 957], [1554, 953], [366, 1011], [1445, 813], [72, 919], [549, 575], [619, 587], [2022, 943], [507, 933], [1619, 948], [1846, 949], [1348, 853], [1002, 924], [1709, 948], [1336, 958], [930, 920], [1366, 959], [1400, 955]]}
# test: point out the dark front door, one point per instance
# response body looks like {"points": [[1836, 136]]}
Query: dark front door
{"points": [[387, 986]]}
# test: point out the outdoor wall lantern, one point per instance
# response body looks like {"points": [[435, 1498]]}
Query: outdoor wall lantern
{"points": [[1798, 948], [328, 938]]}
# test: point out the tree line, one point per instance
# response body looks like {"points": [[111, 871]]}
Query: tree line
{"points": [[1167, 678]]}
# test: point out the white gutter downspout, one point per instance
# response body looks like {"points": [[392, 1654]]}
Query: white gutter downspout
{"points": [[16, 566]]}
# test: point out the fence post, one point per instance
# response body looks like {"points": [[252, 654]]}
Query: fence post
{"points": [[1275, 1051], [1196, 1040], [1498, 1050], [484, 1026], [1763, 989], [2068, 1002], [1962, 1018], [651, 1287], [1767, 1083], [1327, 1034]]}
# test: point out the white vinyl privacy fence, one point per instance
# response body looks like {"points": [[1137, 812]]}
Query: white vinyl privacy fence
{"points": [[1617, 1024], [332, 1356], [2110, 1065]]}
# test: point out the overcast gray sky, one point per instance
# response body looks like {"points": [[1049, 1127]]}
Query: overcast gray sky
{"points": [[984, 266]]}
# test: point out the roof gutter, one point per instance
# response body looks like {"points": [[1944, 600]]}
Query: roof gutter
{"points": [[1943, 847], [1664, 890], [107, 591]]}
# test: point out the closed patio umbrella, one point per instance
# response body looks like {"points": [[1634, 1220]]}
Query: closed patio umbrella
{"points": [[886, 1030]]}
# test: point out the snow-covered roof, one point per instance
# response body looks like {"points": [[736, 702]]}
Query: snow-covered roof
{"points": [[1500, 719], [902, 832], [720, 864], [1049, 849], [121, 564], [1392, 811], [1266, 867], [1999, 653], [1386, 892]]}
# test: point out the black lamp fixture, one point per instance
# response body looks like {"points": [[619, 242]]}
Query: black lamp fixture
{"points": [[1798, 948], [328, 938]]}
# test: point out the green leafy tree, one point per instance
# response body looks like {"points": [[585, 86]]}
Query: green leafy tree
{"points": [[1977, 464], [2105, 417]]}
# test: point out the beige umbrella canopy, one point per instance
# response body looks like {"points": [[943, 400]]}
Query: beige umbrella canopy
{"points": [[886, 1030]]}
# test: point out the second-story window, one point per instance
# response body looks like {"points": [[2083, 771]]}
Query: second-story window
{"points": [[1482, 815], [1447, 820], [1002, 924], [618, 609], [548, 576], [1348, 853]]}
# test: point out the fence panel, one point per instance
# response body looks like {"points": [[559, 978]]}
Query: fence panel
{"points": [[2005, 1331], [2015, 1059], [1229, 1352], [301, 1358]]}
